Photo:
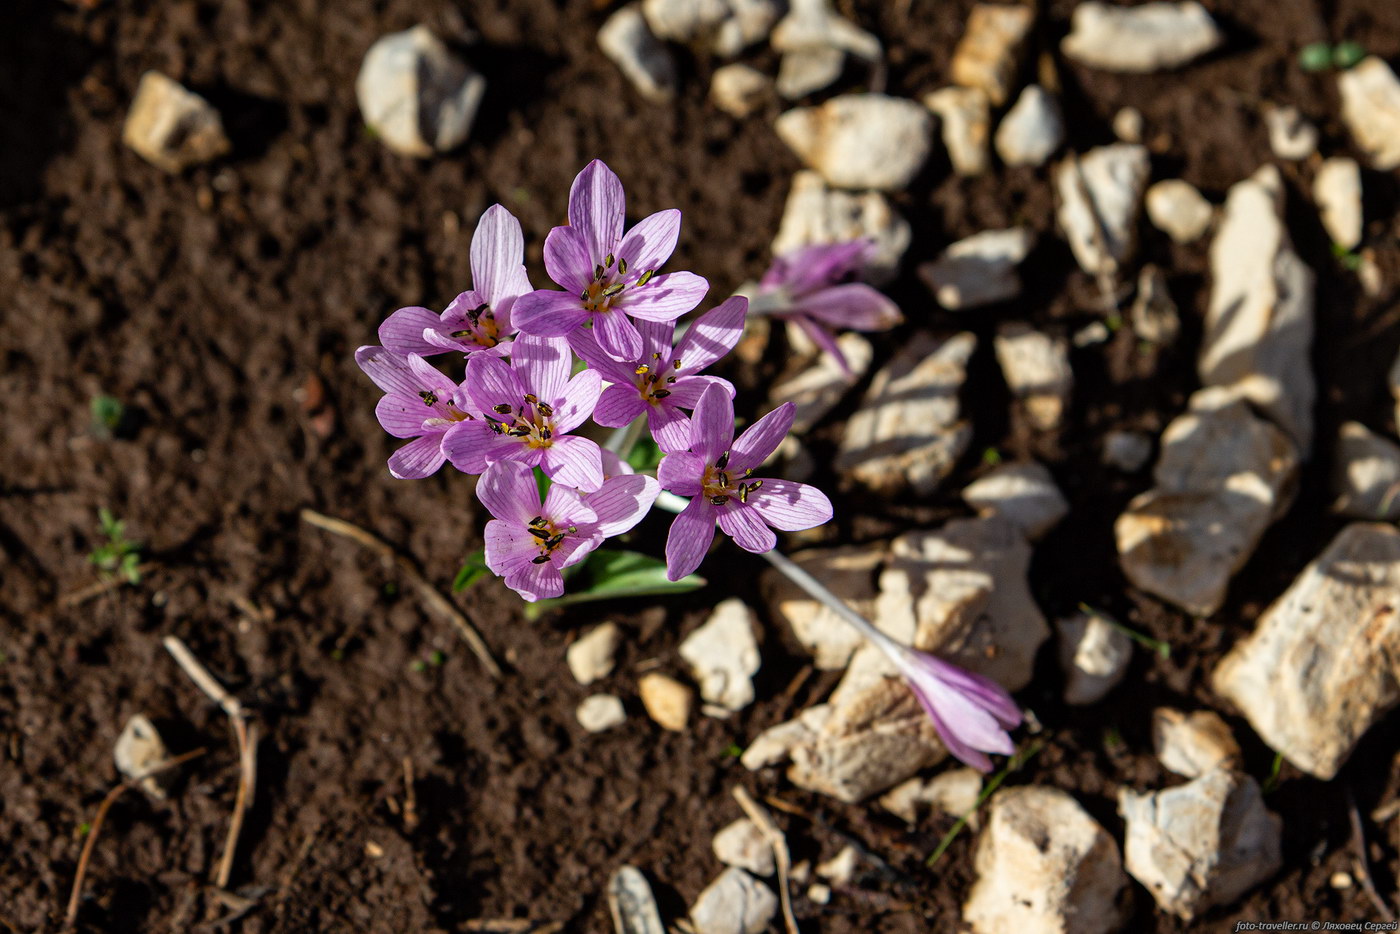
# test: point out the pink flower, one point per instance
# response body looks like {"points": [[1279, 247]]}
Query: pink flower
{"points": [[528, 407], [608, 278], [971, 713], [814, 288], [529, 543], [479, 320], [716, 473], [662, 380], [420, 403]]}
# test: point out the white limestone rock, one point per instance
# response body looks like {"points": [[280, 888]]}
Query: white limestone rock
{"points": [[775, 744], [989, 53], [416, 95], [139, 749], [1037, 371], [819, 388], [667, 701], [1366, 475], [953, 792], [743, 845], [1177, 209], [739, 90], [1223, 477], [631, 904], [1100, 194], [1323, 663], [1371, 110], [814, 41], [598, 713], [735, 903], [1259, 322], [1153, 315], [1201, 844], [816, 214], [171, 127], [1337, 191], [980, 269], [1094, 655], [642, 58], [908, 431], [1044, 865], [1193, 744], [1128, 451], [1292, 137], [723, 655], [1032, 129], [1127, 125], [964, 119], [1148, 37], [840, 868], [860, 141], [1023, 494], [590, 657], [724, 27], [806, 71], [849, 573]]}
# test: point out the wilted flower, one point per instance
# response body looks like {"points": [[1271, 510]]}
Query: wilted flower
{"points": [[478, 320], [663, 380], [606, 276], [716, 472], [419, 403]]}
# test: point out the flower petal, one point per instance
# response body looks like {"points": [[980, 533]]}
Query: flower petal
{"points": [[617, 335], [617, 406], [585, 343], [669, 427], [615, 466], [712, 335], [651, 242], [597, 207], [536, 581], [665, 297], [418, 459], [548, 313], [790, 506], [854, 305], [573, 461], [564, 505], [568, 260], [542, 364], [689, 539], [811, 267], [508, 490], [761, 438], [681, 473], [471, 446], [746, 527], [822, 336], [577, 401], [622, 502], [402, 332], [508, 546], [492, 382], [686, 391], [390, 371], [402, 416], [712, 425]]}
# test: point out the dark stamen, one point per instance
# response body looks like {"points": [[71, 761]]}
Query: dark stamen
{"points": [[723, 478], [531, 398], [661, 393], [598, 271], [608, 261], [646, 277], [539, 533], [723, 461], [429, 397], [546, 409], [614, 289], [546, 434], [718, 500], [502, 408], [755, 485], [622, 266], [539, 559], [520, 432]]}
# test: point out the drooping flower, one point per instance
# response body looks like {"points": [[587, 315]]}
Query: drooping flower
{"points": [[608, 278], [814, 287], [478, 320], [419, 402], [662, 380], [716, 473], [528, 407], [529, 543]]}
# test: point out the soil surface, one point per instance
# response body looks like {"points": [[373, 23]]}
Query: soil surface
{"points": [[222, 307]]}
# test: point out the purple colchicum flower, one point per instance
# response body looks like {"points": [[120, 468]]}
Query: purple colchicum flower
{"points": [[662, 380], [814, 288], [478, 320], [606, 276], [528, 407], [972, 713], [716, 471], [529, 543], [419, 403]]}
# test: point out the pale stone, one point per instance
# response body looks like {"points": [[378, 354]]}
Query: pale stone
{"points": [[1177, 209], [964, 119], [1037, 371], [814, 42], [173, 128], [1337, 191], [739, 90], [1044, 865], [819, 388], [590, 657], [1023, 494], [666, 700], [775, 744], [860, 141], [806, 71], [1128, 451], [840, 868], [1366, 475], [1193, 744], [743, 845], [1323, 664], [908, 432], [980, 269], [1154, 316], [819, 893], [1292, 136], [1032, 129], [600, 712], [953, 793], [139, 749], [1099, 197], [1201, 844], [1224, 475], [816, 214], [1371, 110], [1094, 655], [1127, 125], [1259, 322], [631, 903], [642, 58], [988, 55], [1147, 37], [724, 27], [735, 903], [723, 655], [849, 573], [416, 95], [1393, 378]]}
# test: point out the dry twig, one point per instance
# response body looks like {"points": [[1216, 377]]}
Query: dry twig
{"points": [[1363, 865], [84, 594], [764, 822], [426, 592], [410, 799]]}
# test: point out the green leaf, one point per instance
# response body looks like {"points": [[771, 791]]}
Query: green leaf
{"points": [[1163, 649], [1315, 56], [610, 574], [645, 455], [1347, 55], [472, 571], [1017, 762], [542, 482]]}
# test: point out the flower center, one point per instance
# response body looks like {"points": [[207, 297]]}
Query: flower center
{"points": [[481, 327], [443, 410], [531, 422], [718, 486], [655, 377], [609, 281], [548, 536]]}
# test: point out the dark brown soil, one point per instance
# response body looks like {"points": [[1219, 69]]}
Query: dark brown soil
{"points": [[222, 307]]}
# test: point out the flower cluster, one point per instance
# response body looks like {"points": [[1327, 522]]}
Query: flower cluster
{"points": [[524, 397]]}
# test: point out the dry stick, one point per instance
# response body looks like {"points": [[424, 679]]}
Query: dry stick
{"points": [[1358, 842], [778, 842], [245, 734], [84, 594], [410, 799], [102, 809], [429, 595]]}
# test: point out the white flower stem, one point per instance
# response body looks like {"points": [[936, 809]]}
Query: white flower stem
{"points": [[622, 439]]}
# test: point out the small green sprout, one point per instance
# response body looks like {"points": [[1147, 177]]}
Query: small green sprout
{"points": [[1163, 649], [418, 665], [436, 658], [1315, 56], [1346, 258], [1271, 782], [108, 413], [734, 750], [1112, 739], [991, 457], [1347, 55], [1017, 762], [118, 557]]}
